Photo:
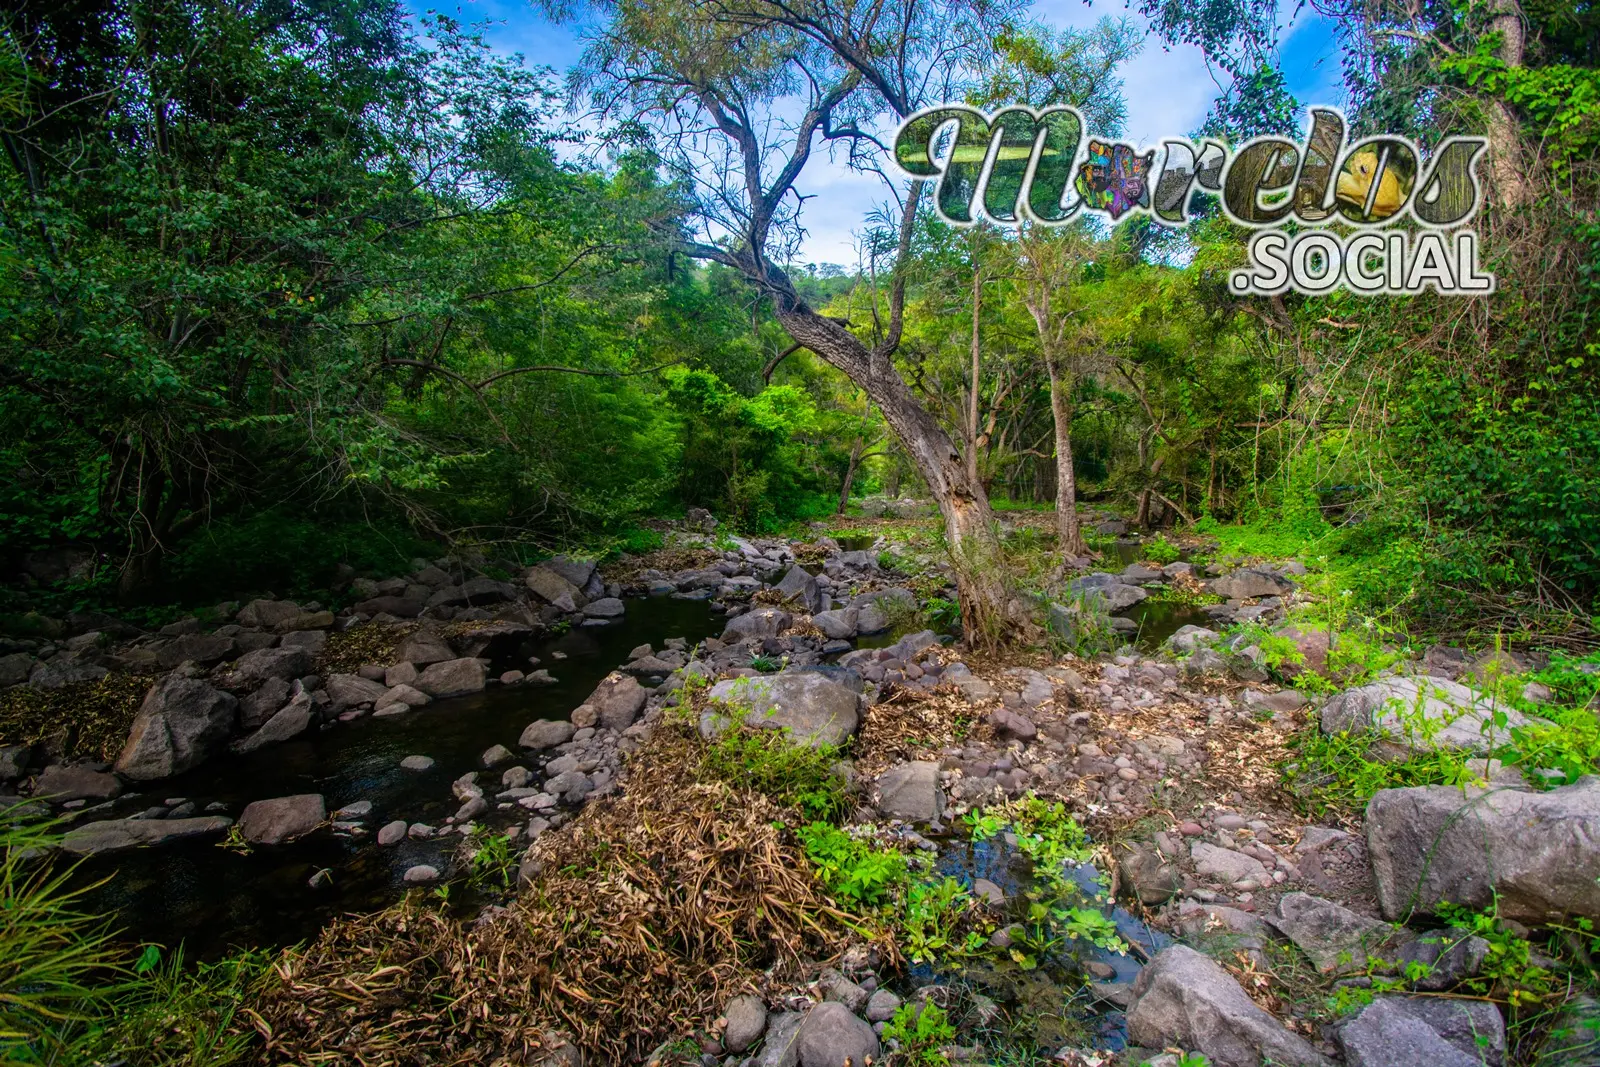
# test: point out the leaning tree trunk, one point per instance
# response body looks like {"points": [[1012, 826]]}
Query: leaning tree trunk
{"points": [[850, 474], [1069, 535], [988, 615]]}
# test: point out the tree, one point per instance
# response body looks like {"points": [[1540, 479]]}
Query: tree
{"points": [[741, 92]]}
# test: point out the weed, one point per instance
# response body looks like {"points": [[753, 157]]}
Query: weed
{"points": [[942, 614], [492, 863], [921, 1030], [1159, 550], [769, 762], [1337, 772], [1078, 623], [852, 869], [1045, 833], [766, 664], [931, 921]]}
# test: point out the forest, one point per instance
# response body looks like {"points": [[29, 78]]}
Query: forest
{"points": [[926, 654]]}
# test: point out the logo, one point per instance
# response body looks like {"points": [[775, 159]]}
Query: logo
{"points": [[1326, 212]]}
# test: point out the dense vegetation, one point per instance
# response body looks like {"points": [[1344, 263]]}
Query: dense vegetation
{"points": [[280, 275]]}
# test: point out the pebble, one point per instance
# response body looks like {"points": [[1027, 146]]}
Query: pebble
{"points": [[357, 810], [422, 872], [417, 763], [392, 833], [420, 830]]}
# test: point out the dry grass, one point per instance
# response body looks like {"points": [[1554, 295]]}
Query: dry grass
{"points": [[911, 725], [628, 569], [650, 910], [348, 652], [83, 719]]}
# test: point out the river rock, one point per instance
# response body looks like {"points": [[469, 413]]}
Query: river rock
{"points": [[422, 872], [61, 783], [577, 572], [1153, 880], [881, 1006], [404, 694], [1111, 591], [1448, 957], [1249, 582], [607, 607], [474, 591], [1332, 936], [550, 587], [617, 701], [832, 1036], [813, 708], [253, 668], [349, 690], [181, 723], [422, 649], [115, 835], [910, 791], [392, 833], [313, 641], [1228, 865], [798, 585], [14, 760], [1183, 998], [1424, 1032], [782, 1045], [260, 705], [1532, 852], [417, 763], [1191, 638], [268, 614], [758, 622], [746, 1018], [400, 607], [287, 724], [837, 625], [453, 678], [495, 755], [1420, 712], [1010, 724], [546, 733], [272, 822], [204, 649]]}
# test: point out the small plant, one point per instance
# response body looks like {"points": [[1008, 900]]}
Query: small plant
{"points": [[931, 918], [1160, 550], [492, 862], [851, 868], [1078, 623], [921, 1029], [766, 664], [769, 762], [943, 614], [1094, 926]]}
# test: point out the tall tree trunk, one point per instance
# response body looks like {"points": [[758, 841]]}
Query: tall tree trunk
{"points": [[850, 473], [1505, 142], [988, 614], [1069, 536], [977, 372]]}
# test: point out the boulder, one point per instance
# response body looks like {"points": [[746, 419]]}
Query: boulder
{"points": [[181, 723], [61, 783], [271, 822], [799, 586], [1010, 724], [871, 619], [204, 649], [404, 694], [14, 760], [910, 791], [1191, 638], [1249, 582], [1424, 1032], [1228, 866], [617, 701], [349, 690], [546, 733], [833, 1036], [313, 641], [65, 670], [1332, 936], [550, 587], [1183, 998], [15, 668], [268, 614], [1530, 854], [760, 622], [607, 607], [287, 724], [746, 1019], [815, 709], [253, 668], [257, 707], [837, 625], [401, 607], [116, 835], [1108, 590], [1153, 880], [1421, 712], [453, 678], [577, 572], [424, 648], [1312, 645]]}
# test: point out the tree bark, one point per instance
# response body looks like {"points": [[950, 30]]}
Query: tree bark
{"points": [[1505, 142], [977, 376], [1069, 535], [850, 474]]}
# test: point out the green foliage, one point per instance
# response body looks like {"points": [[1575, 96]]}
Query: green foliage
{"points": [[943, 614], [1159, 550], [931, 919], [1046, 833], [852, 869], [178, 1013], [492, 864], [922, 1030], [768, 762]]}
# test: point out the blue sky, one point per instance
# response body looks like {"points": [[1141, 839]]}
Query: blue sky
{"points": [[1168, 93]]}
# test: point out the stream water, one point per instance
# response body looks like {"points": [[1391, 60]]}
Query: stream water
{"points": [[212, 898]]}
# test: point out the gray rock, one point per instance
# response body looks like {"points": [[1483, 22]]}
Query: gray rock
{"points": [[66, 669], [881, 1006], [870, 619], [1574, 1036], [495, 755], [910, 791], [550, 587], [349, 690], [403, 694], [1533, 852], [837, 625], [832, 1036], [417, 763], [257, 707], [799, 586], [1202, 662], [1228, 865], [747, 1019], [453, 678], [268, 614], [546, 733], [1421, 712], [115, 835], [1221, 931], [1335, 938], [1010, 724], [1153, 880], [15, 668], [608, 607], [1449, 957], [782, 1045], [1184, 998], [577, 572], [61, 783], [392, 833], [271, 822], [813, 708], [422, 872], [423, 648], [471, 808], [1191, 638], [1245, 583], [181, 723], [759, 622], [14, 760], [256, 667], [617, 701], [288, 723], [838, 988], [1108, 590], [204, 649], [1424, 1032], [313, 641]]}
